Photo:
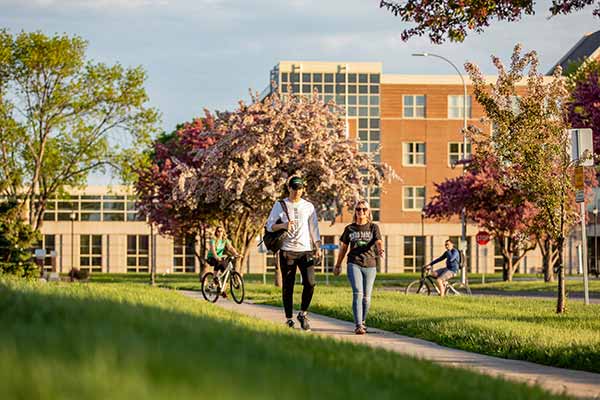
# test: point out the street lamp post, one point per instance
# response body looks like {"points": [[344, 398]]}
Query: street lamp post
{"points": [[464, 152], [72, 217], [595, 211]]}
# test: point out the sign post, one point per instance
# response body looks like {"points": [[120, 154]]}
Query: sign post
{"points": [[482, 239], [581, 149]]}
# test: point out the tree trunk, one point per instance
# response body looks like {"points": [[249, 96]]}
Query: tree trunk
{"points": [[562, 298], [200, 256]]}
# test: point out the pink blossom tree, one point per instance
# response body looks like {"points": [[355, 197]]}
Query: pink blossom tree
{"points": [[584, 103], [263, 144]]}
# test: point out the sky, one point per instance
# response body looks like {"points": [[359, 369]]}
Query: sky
{"points": [[209, 53]]}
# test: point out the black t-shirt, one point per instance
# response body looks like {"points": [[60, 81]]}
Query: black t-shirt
{"points": [[361, 241]]}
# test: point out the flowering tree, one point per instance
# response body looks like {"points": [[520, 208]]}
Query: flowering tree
{"points": [[263, 144], [584, 104], [159, 184], [492, 198], [534, 139], [450, 19]]}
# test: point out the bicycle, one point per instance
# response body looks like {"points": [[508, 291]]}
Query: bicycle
{"points": [[213, 286], [424, 285]]}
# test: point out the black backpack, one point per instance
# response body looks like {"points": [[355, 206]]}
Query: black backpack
{"points": [[274, 240]]}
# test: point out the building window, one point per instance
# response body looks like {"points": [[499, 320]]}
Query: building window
{"points": [[184, 254], [137, 253], [414, 198], [414, 106], [48, 243], [455, 107], [414, 253], [455, 152], [413, 153], [90, 253]]}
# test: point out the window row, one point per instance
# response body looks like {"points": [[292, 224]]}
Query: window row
{"points": [[330, 89], [318, 77], [415, 106], [414, 153]]}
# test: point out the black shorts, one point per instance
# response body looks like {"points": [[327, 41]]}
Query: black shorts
{"points": [[217, 265]]}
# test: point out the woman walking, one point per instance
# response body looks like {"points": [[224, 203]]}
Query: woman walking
{"points": [[363, 237]]}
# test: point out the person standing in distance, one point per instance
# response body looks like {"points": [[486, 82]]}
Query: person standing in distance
{"points": [[301, 247], [363, 237]]}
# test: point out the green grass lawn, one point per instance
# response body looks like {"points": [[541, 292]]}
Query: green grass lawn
{"points": [[536, 286], [525, 329], [123, 341]]}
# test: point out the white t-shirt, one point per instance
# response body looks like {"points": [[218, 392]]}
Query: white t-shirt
{"points": [[306, 224]]}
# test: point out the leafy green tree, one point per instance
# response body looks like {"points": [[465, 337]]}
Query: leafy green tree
{"points": [[16, 240], [57, 112], [535, 141]]}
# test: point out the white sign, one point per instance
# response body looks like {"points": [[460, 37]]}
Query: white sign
{"points": [[40, 253], [581, 146], [579, 196]]}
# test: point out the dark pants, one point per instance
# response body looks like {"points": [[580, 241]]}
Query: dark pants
{"points": [[217, 265], [288, 261]]}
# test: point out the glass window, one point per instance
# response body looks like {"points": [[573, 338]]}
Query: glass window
{"points": [[351, 89], [414, 253], [90, 252], [456, 107], [114, 216], [294, 77], [363, 78], [328, 78], [306, 89], [305, 78], [137, 253], [91, 216], [328, 88], [183, 254], [413, 153], [374, 89], [363, 89], [455, 152], [317, 78], [95, 206], [414, 198], [284, 77], [374, 78], [340, 78], [352, 78], [414, 106]]}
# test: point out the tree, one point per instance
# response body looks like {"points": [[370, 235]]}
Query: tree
{"points": [[16, 239], [174, 157], [451, 19], [492, 198], [266, 142], [584, 102], [57, 111], [534, 139]]}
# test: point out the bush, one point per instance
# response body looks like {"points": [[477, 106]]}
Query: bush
{"points": [[26, 269]]}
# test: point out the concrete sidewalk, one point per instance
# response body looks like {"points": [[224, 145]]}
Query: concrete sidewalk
{"points": [[556, 380]]}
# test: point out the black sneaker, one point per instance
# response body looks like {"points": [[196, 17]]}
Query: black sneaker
{"points": [[290, 323], [303, 319]]}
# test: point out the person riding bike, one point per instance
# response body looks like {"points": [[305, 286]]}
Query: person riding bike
{"points": [[442, 275], [218, 246]]}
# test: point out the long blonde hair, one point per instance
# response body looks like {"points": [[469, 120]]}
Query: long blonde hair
{"points": [[368, 213]]}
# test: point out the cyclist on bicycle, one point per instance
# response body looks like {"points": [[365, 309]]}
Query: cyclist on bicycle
{"points": [[218, 245], [442, 275]]}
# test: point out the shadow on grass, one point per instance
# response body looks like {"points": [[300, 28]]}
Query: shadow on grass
{"points": [[118, 342]]}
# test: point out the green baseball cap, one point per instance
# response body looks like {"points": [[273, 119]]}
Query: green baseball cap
{"points": [[296, 182]]}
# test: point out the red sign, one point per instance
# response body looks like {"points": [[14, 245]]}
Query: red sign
{"points": [[482, 237]]}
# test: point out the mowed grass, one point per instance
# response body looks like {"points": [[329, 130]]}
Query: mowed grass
{"points": [[539, 286], [124, 341], [517, 328]]}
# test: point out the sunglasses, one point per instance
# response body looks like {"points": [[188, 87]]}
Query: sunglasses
{"points": [[361, 209]]}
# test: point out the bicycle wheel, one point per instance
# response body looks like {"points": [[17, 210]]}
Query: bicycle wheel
{"points": [[418, 287], [210, 290], [236, 284]]}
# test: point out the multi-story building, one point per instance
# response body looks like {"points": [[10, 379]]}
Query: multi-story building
{"points": [[411, 122]]}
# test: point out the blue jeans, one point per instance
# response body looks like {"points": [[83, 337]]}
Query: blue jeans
{"points": [[361, 279]]}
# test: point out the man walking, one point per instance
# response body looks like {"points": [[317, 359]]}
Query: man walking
{"points": [[301, 247]]}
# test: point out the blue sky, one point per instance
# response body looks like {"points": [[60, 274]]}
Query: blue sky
{"points": [[208, 53]]}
